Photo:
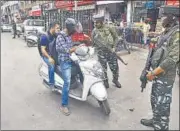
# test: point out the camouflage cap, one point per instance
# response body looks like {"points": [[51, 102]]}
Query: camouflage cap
{"points": [[98, 17]]}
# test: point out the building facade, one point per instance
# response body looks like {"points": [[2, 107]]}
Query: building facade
{"points": [[10, 11]]}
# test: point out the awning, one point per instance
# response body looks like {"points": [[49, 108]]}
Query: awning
{"points": [[108, 2]]}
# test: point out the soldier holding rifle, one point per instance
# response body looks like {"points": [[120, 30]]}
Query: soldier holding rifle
{"points": [[163, 61], [104, 39]]}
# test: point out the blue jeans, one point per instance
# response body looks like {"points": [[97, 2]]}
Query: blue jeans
{"points": [[66, 74], [50, 70]]}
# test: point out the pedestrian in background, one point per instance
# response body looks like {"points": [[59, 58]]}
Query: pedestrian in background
{"points": [[146, 28], [14, 29]]}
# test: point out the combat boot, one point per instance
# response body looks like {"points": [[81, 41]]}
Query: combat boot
{"points": [[116, 82], [106, 84], [147, 122]]}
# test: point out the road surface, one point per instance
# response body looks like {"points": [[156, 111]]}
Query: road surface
{"points": [[27, 105]]}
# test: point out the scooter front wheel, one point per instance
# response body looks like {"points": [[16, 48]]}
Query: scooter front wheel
{"points": [[105, 106], [29, 44]]}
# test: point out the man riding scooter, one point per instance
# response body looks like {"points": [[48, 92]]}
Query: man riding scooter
{"points": [[64, 47]]}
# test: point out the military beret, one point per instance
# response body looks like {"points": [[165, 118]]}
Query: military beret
{"points": [[98, 17]]}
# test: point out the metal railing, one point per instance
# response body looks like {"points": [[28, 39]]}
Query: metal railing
{"points": [[84, 16]]}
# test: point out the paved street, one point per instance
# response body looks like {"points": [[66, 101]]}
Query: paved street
{"points": [[27, 105]]}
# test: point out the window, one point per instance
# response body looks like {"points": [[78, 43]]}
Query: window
{"points": [[38, 23], [30, 23]]}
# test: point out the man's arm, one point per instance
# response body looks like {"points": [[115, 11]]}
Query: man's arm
{"points": [[92, 37], [60, 46], [114, 35], [173, 54], [172, 57], [44, 52], [44, 43]]}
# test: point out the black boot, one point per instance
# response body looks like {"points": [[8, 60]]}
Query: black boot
{"points": [[147, 122], [106, 84], [116, 82]]}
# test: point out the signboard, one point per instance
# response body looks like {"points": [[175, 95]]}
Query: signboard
{"points": [[37, 7], [66, 4], [172, 2], [86, 7], [108, 2], [35, 13], [63, 4]]}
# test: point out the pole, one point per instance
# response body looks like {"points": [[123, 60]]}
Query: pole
{"points": [[129, 9], [75, 5]]}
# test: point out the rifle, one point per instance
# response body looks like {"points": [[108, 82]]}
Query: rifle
{"points": [[143, 77], [100, 42]]}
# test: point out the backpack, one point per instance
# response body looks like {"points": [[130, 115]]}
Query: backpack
{"points": [[51, 48]]}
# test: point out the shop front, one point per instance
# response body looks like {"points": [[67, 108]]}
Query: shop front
{"points": [[63, 9], [114, 11]]}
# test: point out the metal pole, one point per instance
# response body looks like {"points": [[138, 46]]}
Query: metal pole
{"points": [[75, 4], [129, 9]]}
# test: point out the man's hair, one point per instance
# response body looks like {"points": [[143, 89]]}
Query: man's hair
{"points": [[53, 24]]}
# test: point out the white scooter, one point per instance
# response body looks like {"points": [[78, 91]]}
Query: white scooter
{"points": [[90, 82]]}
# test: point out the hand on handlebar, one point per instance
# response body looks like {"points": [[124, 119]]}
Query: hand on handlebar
{"points": [[73, 49]]}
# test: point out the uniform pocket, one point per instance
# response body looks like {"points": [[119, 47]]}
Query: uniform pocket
{"points": [[163, 91]]}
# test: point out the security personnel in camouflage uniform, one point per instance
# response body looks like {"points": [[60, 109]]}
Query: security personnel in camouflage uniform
{"points": [[163, 63], [104, 55]]}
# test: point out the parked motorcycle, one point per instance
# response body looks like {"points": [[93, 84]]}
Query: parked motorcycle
{"points": [[87, 77], [32, 38]]}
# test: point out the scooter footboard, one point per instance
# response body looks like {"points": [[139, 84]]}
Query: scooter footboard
{"points": [[98, 91]]}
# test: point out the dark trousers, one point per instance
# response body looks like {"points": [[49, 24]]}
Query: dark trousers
{"points": [[14, 33]]}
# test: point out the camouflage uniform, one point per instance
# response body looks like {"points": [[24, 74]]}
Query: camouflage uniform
{"points": [[161, 95], [109, 35]]}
